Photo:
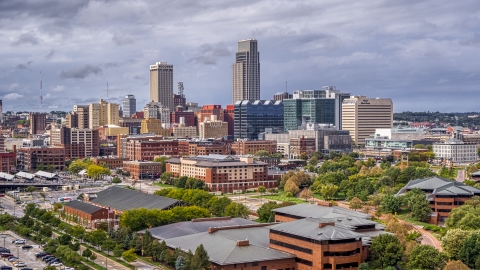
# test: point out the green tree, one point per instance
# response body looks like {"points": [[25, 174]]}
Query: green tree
{"points": [[426, 257], [162, 160], [201, 259], [291, 187], [129, 255], [237, 210], [456, 265], [30, 189], [117, 251], [386, 248], [261, 153], [261, 189], [93, 257], [465, 217], [116, 180], [96, 171], [179, 263], [41, 167], [391, 204], [108, 245], [87, 253], [355, 203], [453, 241], [470, 250], [50, 268], [166, 176], [306, 194], [51, 168], [329, 191], [265, 213]]}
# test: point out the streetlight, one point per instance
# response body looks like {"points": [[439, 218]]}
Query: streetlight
{"points": [[3, 236]]}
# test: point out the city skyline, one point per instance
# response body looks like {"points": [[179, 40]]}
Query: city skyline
{"points": [[428, 51]]}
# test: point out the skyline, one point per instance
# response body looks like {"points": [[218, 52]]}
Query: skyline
{"points": [[422, 51]]}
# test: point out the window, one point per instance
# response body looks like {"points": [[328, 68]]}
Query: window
{"points": [[254, 263], [264, 268]]}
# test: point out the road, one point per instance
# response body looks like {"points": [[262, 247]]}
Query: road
{"points": [[460, 175], [10, 207]]}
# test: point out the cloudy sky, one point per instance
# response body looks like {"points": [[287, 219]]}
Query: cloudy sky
{"points": [[425, 55]]}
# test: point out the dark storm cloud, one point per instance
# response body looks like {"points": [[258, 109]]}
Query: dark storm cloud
{"points": [[50, 54], [80, 73], [208, 54], [25, 39], [24, 66]]}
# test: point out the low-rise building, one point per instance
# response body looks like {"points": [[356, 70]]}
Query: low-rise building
{"points": [[299, 146], [153, 126], [85, 214], [143, 169], [31, 157], [212, 128], [456, 151], [444, 195], [196, 148], [223, 173], [245, 147], [147, 150], [184, 132], [112, 162]]}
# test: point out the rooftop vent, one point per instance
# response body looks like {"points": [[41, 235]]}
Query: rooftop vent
{"points": [[243, 243]]}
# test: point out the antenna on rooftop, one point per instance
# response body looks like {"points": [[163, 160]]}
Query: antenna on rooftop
{"points": [[286, 87], [41, 97], [180, 88]]}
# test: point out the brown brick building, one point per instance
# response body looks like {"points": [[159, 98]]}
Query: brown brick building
{"points": [[444, 195], [113, 162], [180, 112], [223, 173], [147, 150], [29, 158], [85, 214], [299, 146], [143, 169], [8, 161], [208, 110], [251, 147], [193, 148], [229, 117]]}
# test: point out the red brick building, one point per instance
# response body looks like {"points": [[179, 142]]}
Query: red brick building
{"points": [[229, 117], [113, 162], [208, 110], [180, 112], [223, 173], [143, 169], [29, 158], [85, 214], [147, 150], [299, 146], [8, 162], [251, 147], [192, 148]]}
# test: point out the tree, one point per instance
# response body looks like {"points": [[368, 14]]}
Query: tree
{"points": [[179, 263], [93, 257], [117, 251], [200, 258], [470, 250], [87, 253], [108, 245], [116, 180], [165, 177], [129, 255], [306, 194], [50, 268], [453, 241], [465, 217], [265, 213], [355, 203], [426, 257], [387, 249], [51, 167], [456, 265], [95, 171], [262, 189], [237, 210], [64, 239], [291, 187], [261, 153], [162, 160], [390, 203], [363, 266], [30, 189], [329, 191]]}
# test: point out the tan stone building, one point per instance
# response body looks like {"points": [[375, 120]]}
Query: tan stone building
{"points": [[153, 126], [362, 115], [103, 113], [213, 128], [184, 132]]}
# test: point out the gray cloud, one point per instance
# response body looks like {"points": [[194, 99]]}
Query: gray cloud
{"points": [[121, 40], [24, 66], [25, 39], [208, 54], [80, 73]]}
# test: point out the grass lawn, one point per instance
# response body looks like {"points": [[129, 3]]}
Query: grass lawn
{"points": [[281, 197], [157, 264], [110, 257], [404, 214]]}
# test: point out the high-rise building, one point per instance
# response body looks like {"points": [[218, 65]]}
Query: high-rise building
{"points": [[246, 72], [362, 115], [252, 118], [229, 117], [129, 105], [37, 123], [208, 110], [102, 113], [83, 115], [314, 106], [161, 84]]}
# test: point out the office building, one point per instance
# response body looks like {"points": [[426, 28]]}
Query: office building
{"points": [[229, 117], [212, 128], [147, 150], [362, 115], [179, 113], [246, 72], [153, 126], [143, 169], [456, 151], [282, 96], [183, 131], [78, 143], [83, 116], [314, 106], [223, 173], [252, 118], [37, 123], [156, 110], [208, 110], [244, 147], [102, 113], [129, 105], [161, 84], [444, 195], [31, 157], [196, 148], [71, 120]]}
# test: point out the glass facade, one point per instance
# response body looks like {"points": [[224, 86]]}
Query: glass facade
{"points": [[251, 118], [313, 110]]}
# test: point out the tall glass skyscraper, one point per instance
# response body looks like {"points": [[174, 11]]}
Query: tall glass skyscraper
{"points": [[252, 118], [246, 72], [129, 105]]}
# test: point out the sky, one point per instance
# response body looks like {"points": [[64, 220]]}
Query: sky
{"points": [[425, 55]]}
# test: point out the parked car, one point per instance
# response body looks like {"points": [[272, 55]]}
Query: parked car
{"points": [[4, 250], [47, 257], [56, 264], [67, 268], [13, 259], [40, 254], [20, 242], [19, 264], [4, 267], [26, 268], [27, 247], [6, 255]]}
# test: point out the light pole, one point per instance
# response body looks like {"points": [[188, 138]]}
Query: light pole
{"points": [[3, 236]]}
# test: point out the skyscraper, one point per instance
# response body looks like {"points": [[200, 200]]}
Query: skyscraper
{"points": [[129, 105], [37, 123], [246, 71], [161, 84]]}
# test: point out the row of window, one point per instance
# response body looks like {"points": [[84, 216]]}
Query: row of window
{"points": [[290, 246]]}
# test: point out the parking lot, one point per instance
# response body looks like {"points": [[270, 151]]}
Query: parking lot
{"points": [[27, 256]]}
